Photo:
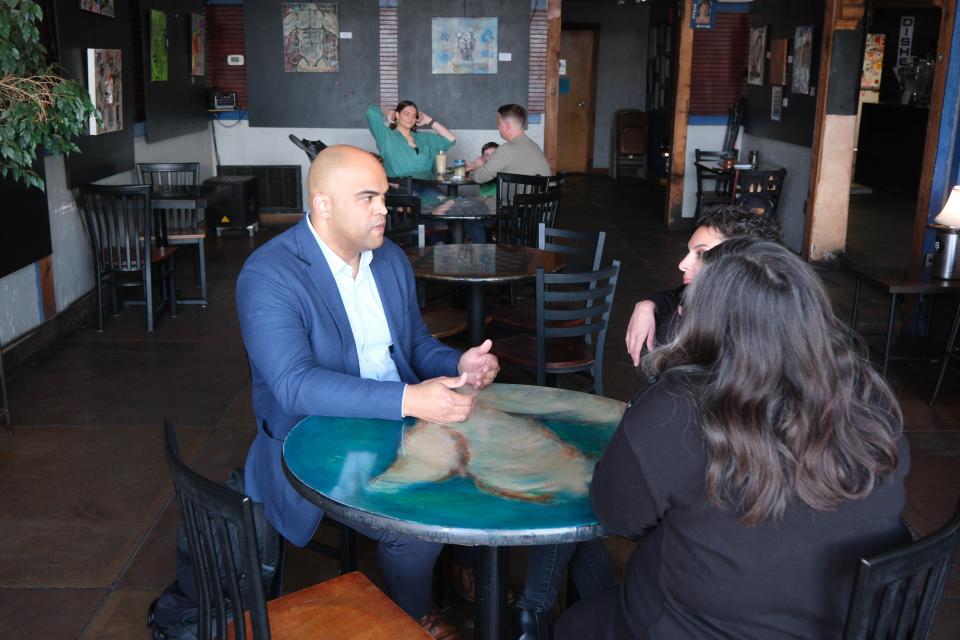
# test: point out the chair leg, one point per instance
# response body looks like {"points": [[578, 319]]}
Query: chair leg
{"points": [[951, 345], [98, 294], [148, 295], [202, 262], [348, 550]]}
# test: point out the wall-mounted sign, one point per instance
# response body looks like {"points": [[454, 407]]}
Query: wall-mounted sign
{"points": [[905, 42]]}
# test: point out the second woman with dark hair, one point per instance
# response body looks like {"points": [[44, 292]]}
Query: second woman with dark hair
{"points": [[765, 460], [405, 149]]}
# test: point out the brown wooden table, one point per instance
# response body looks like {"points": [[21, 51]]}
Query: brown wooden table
{"points": [[896, 281], [477, 265]]}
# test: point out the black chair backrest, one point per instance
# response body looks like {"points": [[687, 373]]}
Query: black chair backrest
{"points": [[168, 174], [510, 184], [631, 132], [409, 238], [768, 184], [574, 305], [583, 250], [403, 212], [528, 211], [119, 223], [556, 182], [404, 186], [896, 594], [218, 522], [701, 155]]}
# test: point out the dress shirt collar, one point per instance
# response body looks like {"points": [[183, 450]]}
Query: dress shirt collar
{"points": [[337, 265]]}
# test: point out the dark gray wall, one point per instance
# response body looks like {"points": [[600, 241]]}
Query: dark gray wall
{"points": [[108, 153], [782, 17], [284, 99], [178, 105], [463, 101]]}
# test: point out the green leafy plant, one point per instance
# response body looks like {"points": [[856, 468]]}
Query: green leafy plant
{"points": [[38, 107]]}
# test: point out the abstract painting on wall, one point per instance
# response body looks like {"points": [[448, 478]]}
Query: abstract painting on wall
{"points": [[873, 61], [802, 58], [311, 37], [758, 55], [103, 7], [105, 88], [198, 39], [464, 45], [158, 45]]}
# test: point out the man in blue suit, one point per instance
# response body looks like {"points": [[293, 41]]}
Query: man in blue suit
{"points": [[329, 316]]}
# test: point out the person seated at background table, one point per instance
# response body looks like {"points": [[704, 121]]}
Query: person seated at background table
{"points": [[404, 148], [519, 155], [329, 317], [763, 462], [487, 189], [651, 317]]}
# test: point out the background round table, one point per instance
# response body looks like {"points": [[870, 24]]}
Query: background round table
{"points": [[515, 473], [456, 210], [444, 180], [477, 265]]}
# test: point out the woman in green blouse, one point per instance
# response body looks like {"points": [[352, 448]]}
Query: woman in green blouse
{"points": [[405, 150]]}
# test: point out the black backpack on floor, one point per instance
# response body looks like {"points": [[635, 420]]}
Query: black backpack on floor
{"points": [[174, 615]]}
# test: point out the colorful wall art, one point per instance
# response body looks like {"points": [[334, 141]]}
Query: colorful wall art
{"points": [[198, 41], [758, 55], [464, 45], [803, 57], [105, 87], [311, 37], [158, 45]]}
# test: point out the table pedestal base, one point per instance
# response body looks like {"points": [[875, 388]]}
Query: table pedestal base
{"points": [[491, 607], [476, 315]]}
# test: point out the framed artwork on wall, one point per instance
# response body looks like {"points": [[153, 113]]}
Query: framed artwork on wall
{"points": [[776, 103], [803, 56], [777, 71], [103, 7], [873, 62], [198, 39], [758, 55], [464, 45], [704, 15], [158, 46], [105, 88], [311, 37]]}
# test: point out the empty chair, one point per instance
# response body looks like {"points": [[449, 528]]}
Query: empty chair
{"points": [[629, 142], [119, 223], [573, 312], [179, 225], [403, 213], [528, 211], [510, 184], [556, 182], [896, 594], [760, 183], [582, 251], [713, 182], [220, 531]]}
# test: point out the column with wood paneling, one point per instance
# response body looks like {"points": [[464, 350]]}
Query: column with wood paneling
{"points": [[551, 111], [681, 112]]}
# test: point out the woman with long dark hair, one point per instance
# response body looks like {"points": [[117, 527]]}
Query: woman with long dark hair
{"points": [[404, 148], [765, 460]]}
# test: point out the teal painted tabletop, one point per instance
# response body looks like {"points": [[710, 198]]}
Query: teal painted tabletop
{"points": [[516, 472]]}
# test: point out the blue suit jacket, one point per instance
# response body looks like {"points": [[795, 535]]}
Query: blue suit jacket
{"points": [[303, 357]]}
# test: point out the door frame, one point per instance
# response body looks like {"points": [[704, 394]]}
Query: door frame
{"points": [[591, 133]]}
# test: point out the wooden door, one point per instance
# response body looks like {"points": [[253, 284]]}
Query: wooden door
{"points": [[577, 103]]}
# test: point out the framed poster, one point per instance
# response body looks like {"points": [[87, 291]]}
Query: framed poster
{"points": [[704, 15], [198, 40], [464, 45], [311, 37], [873, 62], [758, 55], [776, 103], [103, 7], [158, 45], [105, 85], [777, 70], [803, 55]]}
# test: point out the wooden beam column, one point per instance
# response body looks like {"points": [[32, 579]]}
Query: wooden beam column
{"points": [[551, 113], [681, 111]]}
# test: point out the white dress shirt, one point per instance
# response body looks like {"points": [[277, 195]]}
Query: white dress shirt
{"points": [[368, 321]]}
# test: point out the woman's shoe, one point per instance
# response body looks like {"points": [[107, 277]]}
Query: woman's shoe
{"points": [[534, 625]]}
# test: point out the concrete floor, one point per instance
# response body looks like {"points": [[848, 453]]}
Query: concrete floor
{"points": [[87, 521]]}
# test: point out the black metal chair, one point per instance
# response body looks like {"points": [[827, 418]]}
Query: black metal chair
{"points": [[400, 186], [179, 225], [713, 185], [220, 530], [119, 223], [896, 594], [762, 184], [528, 211], [573, 312], [630, 142], [556, 182], [511, 184], [403, 213], [582, 250]]}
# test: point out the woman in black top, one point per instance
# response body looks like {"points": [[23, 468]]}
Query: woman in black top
{"points": [[763, 463]]}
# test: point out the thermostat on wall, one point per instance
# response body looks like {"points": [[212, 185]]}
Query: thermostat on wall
{"points": [[235, 60]]}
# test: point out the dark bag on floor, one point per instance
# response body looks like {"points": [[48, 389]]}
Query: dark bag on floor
{"points": [[174, 615]]}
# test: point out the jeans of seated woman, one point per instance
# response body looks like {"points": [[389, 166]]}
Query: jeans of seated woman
{"points": [[589, 565]]}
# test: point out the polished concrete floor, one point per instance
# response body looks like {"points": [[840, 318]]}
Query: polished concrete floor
{"points": [[87, 521]]}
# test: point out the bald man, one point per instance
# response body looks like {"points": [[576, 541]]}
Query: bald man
{"points": [[329, 316]]}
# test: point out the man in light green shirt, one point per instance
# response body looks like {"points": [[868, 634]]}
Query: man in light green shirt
{"points": [[520, 154]]}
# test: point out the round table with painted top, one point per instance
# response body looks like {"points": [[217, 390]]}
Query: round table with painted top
{"points": [[478, 265], [446, 181], [516, 472], [457, 210]]}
